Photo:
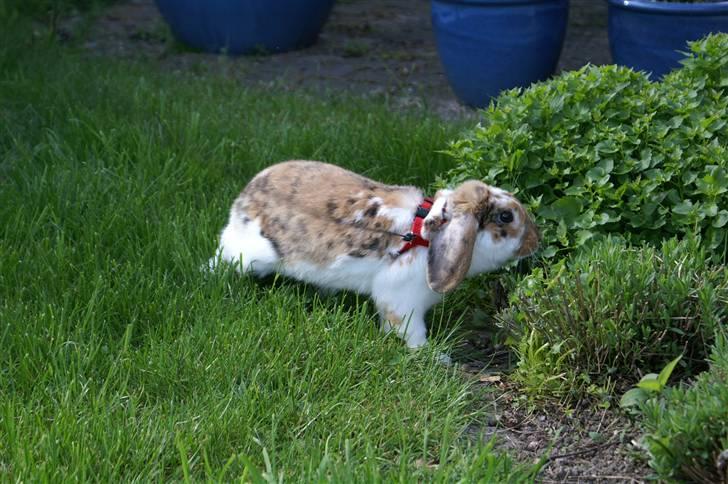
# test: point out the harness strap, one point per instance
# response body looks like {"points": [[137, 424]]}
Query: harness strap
{"points": [[414, 237]]}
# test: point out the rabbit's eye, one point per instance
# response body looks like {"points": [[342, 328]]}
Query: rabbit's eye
{"points": [[504, 217]]}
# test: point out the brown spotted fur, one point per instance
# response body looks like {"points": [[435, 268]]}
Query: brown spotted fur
{"points": [[302, 205]]}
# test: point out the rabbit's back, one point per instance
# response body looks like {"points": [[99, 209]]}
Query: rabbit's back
{"points": [[316, 214]]}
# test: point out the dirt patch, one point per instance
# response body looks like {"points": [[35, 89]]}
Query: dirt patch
{"points": [[585, 444], [367, 47]]}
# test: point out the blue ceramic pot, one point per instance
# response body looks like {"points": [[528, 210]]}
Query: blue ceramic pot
{"points": [[246, 26], [649, 36], [487, 46]]}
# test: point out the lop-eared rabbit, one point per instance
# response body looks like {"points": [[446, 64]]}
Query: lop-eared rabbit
{"points": [[327, 226]]}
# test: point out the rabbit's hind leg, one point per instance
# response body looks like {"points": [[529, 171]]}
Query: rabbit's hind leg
{"points": [[243, 245]]}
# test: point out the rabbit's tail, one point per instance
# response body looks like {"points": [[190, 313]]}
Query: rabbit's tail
{"points": [[243, 245]]}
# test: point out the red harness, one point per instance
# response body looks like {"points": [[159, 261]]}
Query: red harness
{"points": [[414, 237]]}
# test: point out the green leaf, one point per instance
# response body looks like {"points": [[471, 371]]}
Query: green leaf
{"points": [[676, 121], [721, 219], [596, 173], [548, 252], [607, 146], [633, 397], [565, 208], [709, 210], [650, 382], [683, 208], [582, 236], [575, 190], [714, 183], [607, 164], [667, 371]]}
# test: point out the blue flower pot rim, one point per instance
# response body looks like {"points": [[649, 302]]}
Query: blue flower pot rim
{"points": [[499, 3], [672, 8]]}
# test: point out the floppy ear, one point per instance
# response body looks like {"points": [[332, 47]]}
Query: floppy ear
{"points": [[450, 252]]}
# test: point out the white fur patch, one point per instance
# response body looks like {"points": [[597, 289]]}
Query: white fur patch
{"points": [[489, 255], [403, 215], [346, 272], [242, 244]]}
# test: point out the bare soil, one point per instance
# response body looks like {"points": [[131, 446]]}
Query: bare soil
{"points": [[367, 47], [386, 48], [582, 444]]}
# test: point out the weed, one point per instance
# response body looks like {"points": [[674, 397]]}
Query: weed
{"points": [[354, 48], [687, 426], [603, 314], [652, 384]]}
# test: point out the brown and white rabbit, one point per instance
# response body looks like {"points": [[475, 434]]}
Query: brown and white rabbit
{"points": [[325, 225]]}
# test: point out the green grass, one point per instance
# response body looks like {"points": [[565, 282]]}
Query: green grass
{"points": [[122, 360]]}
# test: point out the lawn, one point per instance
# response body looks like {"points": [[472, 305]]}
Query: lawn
{"points": [[122, 360]]}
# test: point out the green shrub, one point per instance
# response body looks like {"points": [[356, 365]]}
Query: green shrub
{"points": [[687, 428], [610, 312], [604, 150]]}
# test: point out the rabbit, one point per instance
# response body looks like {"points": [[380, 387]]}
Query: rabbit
{"points": [[333, 228]]}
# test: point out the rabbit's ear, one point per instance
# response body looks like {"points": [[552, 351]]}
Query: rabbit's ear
{"points": [[450, 252]]}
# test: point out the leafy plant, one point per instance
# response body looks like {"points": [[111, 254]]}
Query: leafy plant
{"points": [[651, 384], [543, 368], [687, 427], [612, 309], [603, 150]]}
